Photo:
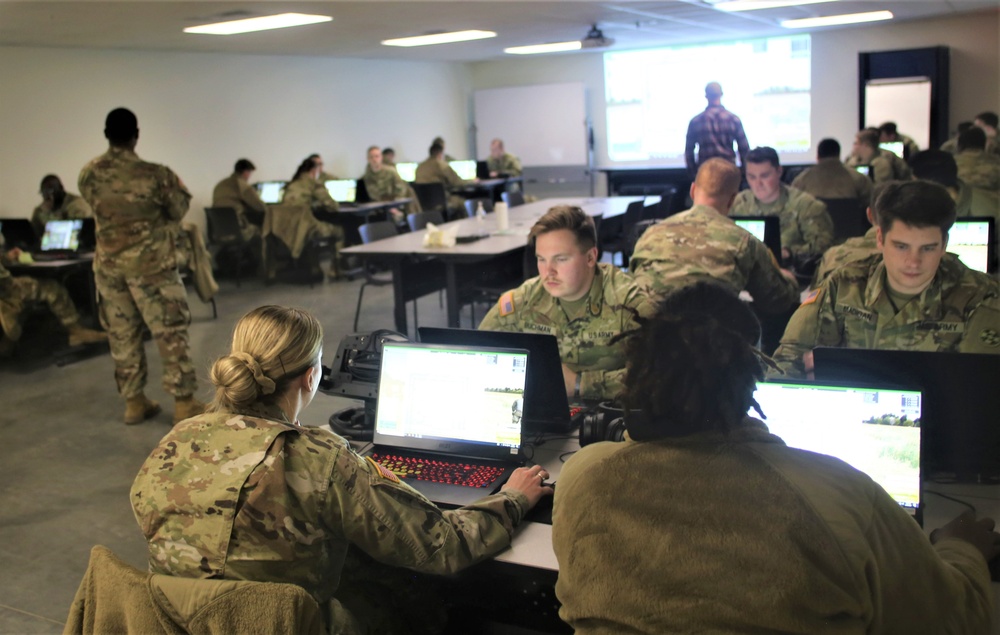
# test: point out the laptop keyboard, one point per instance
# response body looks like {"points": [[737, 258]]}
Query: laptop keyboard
{"points": [[437, 471]]}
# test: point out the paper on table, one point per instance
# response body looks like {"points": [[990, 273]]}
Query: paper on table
{"points": [[437, 237]]}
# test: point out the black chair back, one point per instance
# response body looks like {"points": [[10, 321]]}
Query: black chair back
{"points": [[223, 226], [513, 199], [472, 204], [849, 217], [432, 196], [370, 232], [419, 220]]}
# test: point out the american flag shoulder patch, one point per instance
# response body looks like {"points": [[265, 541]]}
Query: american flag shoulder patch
{"points": [[383, 471], [809, 299], [506, 304]]}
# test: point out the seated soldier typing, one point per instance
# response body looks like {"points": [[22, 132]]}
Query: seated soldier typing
{"points": [[586, 305], [906, 297]]}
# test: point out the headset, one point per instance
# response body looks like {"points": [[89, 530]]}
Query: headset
{"points": [[607, 423]]}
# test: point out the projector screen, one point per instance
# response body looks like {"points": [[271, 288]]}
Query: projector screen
{"points": [[651, 95]]}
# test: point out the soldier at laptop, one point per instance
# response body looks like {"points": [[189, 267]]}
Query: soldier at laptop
{"points": [[57, 204], [586, 305], [907, 297], [235, 192], [383, 183], [16, 292]]}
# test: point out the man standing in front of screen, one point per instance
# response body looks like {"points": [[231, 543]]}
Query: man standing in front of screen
{"points": [[714, 131]]}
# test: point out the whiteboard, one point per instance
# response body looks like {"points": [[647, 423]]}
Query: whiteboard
{"points": [[906, 101], [543, 125]]}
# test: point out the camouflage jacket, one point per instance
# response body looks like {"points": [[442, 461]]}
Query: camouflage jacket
{"points": [[245, 497], [806, 226], [973, 201], [702, 243], [584, 342], [235, 193], [507, 164], [73, 207], [976, 168], [137, 207], [829, 178], [959, 311], [851, 250], [886, 166], [385, 185], [433, 170], [306, 191]]}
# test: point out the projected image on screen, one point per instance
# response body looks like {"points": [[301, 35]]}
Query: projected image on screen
{"points": [[651, 95]]}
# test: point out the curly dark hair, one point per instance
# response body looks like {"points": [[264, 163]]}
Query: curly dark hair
{"points": [[693, 366]]}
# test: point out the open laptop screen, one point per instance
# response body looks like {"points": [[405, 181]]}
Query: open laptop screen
{"points": [[895, 147], [62, 235], [864, 169], [429, 394], [465, 169], [342, 190], [407, 171], [971, 239], [874, 429], [271, 192], [766, 229]]}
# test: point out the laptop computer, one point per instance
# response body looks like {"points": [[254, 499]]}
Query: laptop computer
{"points": [[766, 229], [961, 401], [465, 169], [546, 406], [18, 232], [407, 171], [455, 405], [973, 240], [342, 190], [61, 240], [864, 169], [895, 147], [271, 192], [874, 427]]}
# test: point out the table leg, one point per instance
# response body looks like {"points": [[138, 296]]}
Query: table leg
{"points": [[398, 299], [451, 286]]}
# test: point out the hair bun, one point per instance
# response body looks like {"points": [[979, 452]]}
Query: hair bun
{"points": [[265, 383]]}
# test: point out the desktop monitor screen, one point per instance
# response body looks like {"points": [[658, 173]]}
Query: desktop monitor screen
{"points": [[62, 235], [343, 190], [895, 147], [973, 240], [271, 192], [465, 169], [864, 169], [407, 171]]}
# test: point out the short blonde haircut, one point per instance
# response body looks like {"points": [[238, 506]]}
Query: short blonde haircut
{"points": [[272, 346], [718, 178]]}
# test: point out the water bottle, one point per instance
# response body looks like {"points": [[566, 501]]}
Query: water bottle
{"points": [[480, 215], [500, 212]]}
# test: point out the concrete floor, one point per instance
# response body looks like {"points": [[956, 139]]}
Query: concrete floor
{"points": [[67, 460]]}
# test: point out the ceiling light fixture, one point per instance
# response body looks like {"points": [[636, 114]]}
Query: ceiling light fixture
{"points": [[262, 23], [440, 38], [833, 20], [554, 47], [754, 5]]}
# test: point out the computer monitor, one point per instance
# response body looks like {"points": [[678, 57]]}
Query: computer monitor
{"points": [[482, 170], [895, 147], [342, 190], [407, 171], [864, 169], [766, 229], [973, 240], [271, 192], [465, 169], [62, 235], [18, 232]]}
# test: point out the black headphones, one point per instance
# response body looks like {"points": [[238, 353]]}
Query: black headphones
{"points": [[352, 424], [607, 423]]}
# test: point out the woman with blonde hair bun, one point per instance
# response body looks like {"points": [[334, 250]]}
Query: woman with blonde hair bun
{"points": [[243, 492]]}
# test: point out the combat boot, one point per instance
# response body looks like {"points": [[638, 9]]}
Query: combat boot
{"points": [[79, 335], [140, 408], [187, 407]]}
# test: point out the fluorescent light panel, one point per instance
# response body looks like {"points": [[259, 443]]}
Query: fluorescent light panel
{"points": [[440, 38], [554, 47], [755, 5], [833, 20], [261, 23]]}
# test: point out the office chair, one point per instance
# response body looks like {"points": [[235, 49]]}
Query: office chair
{"points": [[617, 243], [513, 199], [225, 233], [472, 204], [849, 216], [374, 274], [419, 220], [432, 196]]}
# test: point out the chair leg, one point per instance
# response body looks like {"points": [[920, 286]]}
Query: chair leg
{"points": [[357, 311], [416, 323], [215, 310]]}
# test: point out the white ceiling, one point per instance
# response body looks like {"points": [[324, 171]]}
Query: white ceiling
{"points": [[358, 27]]}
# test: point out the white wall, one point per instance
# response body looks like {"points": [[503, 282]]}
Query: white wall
{"points": [[198, 113], [975, 72]]}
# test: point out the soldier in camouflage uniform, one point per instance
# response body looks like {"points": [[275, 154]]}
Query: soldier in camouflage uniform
{"points": [[976, 167], [584, 304], [323, 176], [501, 162], [434, 169], [851, 250], [909, 297], [830, 179], [235, 192], [306, 191], [806, 226], [888, 133], [15, 294], [703, 243], [243, 492], [988, 122], [383, 183], [137, 207], [885, 165], [57, 204]]}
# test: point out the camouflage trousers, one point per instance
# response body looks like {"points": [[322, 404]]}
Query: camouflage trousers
{"points": [[21, 290], [159, 301]]}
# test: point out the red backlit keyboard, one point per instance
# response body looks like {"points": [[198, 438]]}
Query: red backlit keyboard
{"points": [[449, 472]]}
